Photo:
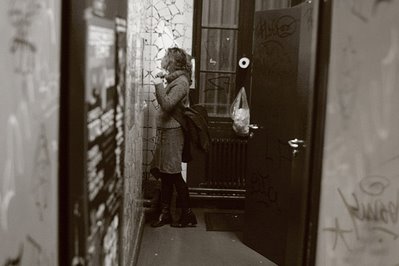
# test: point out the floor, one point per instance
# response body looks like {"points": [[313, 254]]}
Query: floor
{"points": [[195, 247]]}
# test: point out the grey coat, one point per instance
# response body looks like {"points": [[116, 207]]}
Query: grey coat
{"points": [[170, 137], [176, 92]]}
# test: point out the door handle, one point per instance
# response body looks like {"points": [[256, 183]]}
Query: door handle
{"points": [[254, 126], [296, 144]]}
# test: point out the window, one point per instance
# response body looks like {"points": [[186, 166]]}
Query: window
{"points": [[223, 34], [219, 38]]}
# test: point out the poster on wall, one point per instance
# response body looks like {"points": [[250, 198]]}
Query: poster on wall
{"points": [[100, 100], [121, 27], [104, 102]]}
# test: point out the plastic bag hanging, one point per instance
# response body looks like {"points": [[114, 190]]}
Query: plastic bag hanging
{"points": [[239, 112]]}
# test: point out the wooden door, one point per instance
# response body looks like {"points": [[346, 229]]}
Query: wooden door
{"points": [[277, 180]]}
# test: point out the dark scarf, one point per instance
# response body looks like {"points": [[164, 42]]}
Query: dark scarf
{"points": [[172, 76]]}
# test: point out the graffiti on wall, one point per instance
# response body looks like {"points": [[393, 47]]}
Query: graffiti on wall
{"points": [[29, 136], [360, 190], [365, 206]]}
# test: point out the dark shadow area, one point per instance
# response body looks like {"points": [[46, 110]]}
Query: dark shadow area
{"points": [[224, 221]]}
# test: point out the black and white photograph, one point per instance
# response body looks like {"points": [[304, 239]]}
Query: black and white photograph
{"points": [[199, 133]]}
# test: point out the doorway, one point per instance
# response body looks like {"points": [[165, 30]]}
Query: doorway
{"points": [[281, 46], [223, 34]]}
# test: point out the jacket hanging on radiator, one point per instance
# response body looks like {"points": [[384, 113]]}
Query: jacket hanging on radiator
{"points": [[194, 121]]}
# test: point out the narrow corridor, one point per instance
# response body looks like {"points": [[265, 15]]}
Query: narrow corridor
{"points": [[196, 247], [310, 152]]}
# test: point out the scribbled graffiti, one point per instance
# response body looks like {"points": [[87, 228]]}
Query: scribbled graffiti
{"points": [[347, 93], [21, 14], [374, 210], [30, 120], [42, 173], [274, 164], [273, 59], [339, 233], [374, 185], [280, 27], [368, 207], [222, 83], [360, 175], [263, 191], [24, 16], [30, 252], [19, 131], [14, 166], [34, 253], [359, 9], [17, 260]]}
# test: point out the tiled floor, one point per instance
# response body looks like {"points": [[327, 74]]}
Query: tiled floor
{"points": [[167, 246]]}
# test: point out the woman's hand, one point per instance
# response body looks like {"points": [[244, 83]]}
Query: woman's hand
{"points": [[157, 81], [158, 78], [160, 75]]}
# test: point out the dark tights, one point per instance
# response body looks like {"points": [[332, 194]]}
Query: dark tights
{"points": [[167, 183]]}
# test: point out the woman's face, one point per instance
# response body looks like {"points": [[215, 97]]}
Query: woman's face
{"points": [[165, 62]]}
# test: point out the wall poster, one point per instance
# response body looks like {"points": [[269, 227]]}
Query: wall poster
{"points": [[121, 27], [104, 101]]}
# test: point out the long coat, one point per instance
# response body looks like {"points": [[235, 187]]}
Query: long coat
{"points": [[170, 136]]}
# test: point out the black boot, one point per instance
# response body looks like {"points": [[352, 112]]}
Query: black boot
{"points": [[164, 217], [187, 218]]}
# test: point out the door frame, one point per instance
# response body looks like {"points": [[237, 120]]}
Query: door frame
{"points": [[72, 129], [317, 130]]}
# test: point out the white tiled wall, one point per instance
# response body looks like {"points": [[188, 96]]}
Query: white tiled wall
{"points": [[168, 24], [133, 210], [153, 25]]}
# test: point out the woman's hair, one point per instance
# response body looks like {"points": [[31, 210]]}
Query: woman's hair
{"points": [[178, 59]]}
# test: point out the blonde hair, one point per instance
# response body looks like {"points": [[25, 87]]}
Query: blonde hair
{"points": [[178, 59]]}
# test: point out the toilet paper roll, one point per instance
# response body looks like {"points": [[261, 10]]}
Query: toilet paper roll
{"points": [[244, 62]]}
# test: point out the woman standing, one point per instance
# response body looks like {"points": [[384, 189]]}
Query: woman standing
{"points": [[167, 160]]}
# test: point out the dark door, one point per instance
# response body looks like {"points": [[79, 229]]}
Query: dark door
{"points": [[277, 180]]}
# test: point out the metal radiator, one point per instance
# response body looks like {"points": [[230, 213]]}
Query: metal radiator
{"points": [[226, 164]]}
